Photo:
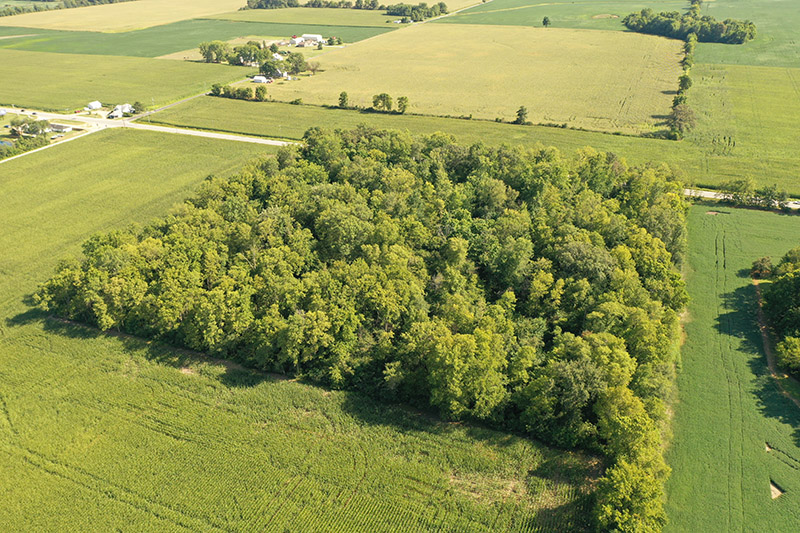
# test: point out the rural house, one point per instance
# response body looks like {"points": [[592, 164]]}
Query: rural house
{"points": [[312, 38]]}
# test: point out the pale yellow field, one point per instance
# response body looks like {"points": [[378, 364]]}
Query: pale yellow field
{"points": [[123, 16], [600, 80]]}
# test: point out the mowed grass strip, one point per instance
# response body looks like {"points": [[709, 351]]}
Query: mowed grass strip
{"points": [[169, 38], [312, 15], [607, 81], [729, 409], [100, 432], [123, 16], [74, 80]]}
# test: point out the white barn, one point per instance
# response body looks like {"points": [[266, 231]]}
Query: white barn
{"points": [[94, 105], [294, 41], [312, 37], [259, 79]]}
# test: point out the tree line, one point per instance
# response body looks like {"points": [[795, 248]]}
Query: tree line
{"points": [[744, 193], [682, 118], [409, 12], [679, 26], [516, 286], [28, 133], [782, 305]]}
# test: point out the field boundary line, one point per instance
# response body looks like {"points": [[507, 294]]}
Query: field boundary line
{"points": [[81, 136]]}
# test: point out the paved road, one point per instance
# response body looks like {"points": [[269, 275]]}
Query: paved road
{"points": [[94, 124]]}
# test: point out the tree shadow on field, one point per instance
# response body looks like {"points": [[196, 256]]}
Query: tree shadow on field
{"points": [[739, 319], [227, 372]]}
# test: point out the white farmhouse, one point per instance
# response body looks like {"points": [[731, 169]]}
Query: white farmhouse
{"points": [[312, 37], [294, 41], [277, 57]]}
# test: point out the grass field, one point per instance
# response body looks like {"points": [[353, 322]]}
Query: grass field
{"points": [[99, 433], [167, 39], [591, 14], [728, 408], [308, 15], [757, 107], [777, 43], [74, 80], [765, 152], [563, 76], [123, 16]]}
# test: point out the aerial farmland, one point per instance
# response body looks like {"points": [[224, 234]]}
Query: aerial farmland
{"points": [[341, 266]]}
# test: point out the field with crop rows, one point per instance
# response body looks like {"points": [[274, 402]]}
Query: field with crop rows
{"points": [[101, 432], [562, 76], [167, 39], [123, 16], [73, 80], [729, 410]]}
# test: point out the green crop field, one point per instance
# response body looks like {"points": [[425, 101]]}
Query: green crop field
{"points": [[729, 410], [777, 43], [563, 76], [74, 80], [101, 432], [166, 39], [595, 14], [308, 15]]}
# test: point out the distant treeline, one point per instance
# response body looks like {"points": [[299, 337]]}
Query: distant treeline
{"points": [[65, 4], [680, 26], [520, 287], [410, 12]]}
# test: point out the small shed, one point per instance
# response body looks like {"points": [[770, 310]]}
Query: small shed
{"points": [[294, 41], [312, 37], [94, 105], [60, 128], [259, 79]]}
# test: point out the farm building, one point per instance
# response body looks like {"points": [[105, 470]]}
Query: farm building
{"points": [[312, 37], [94, 105], [120, 111], [294, 41], [2, 112], [277, 57], [259, 79], [60, 128]]}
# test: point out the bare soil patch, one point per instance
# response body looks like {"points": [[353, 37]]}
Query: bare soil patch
{"points": [[713, 213], [775, 490], [605, 16]]}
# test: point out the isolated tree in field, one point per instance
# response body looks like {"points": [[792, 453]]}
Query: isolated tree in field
{"points": [[682, 119], [270, 69], [522, 115], [402, 104], [382, 102], [546, 22], [344, 100], [139, 107], [684, 83], [261, 93], [762, 268], [313, 66]]}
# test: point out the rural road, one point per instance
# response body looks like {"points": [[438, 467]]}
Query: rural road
{"points": [[714, 195], [99, 124]]}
